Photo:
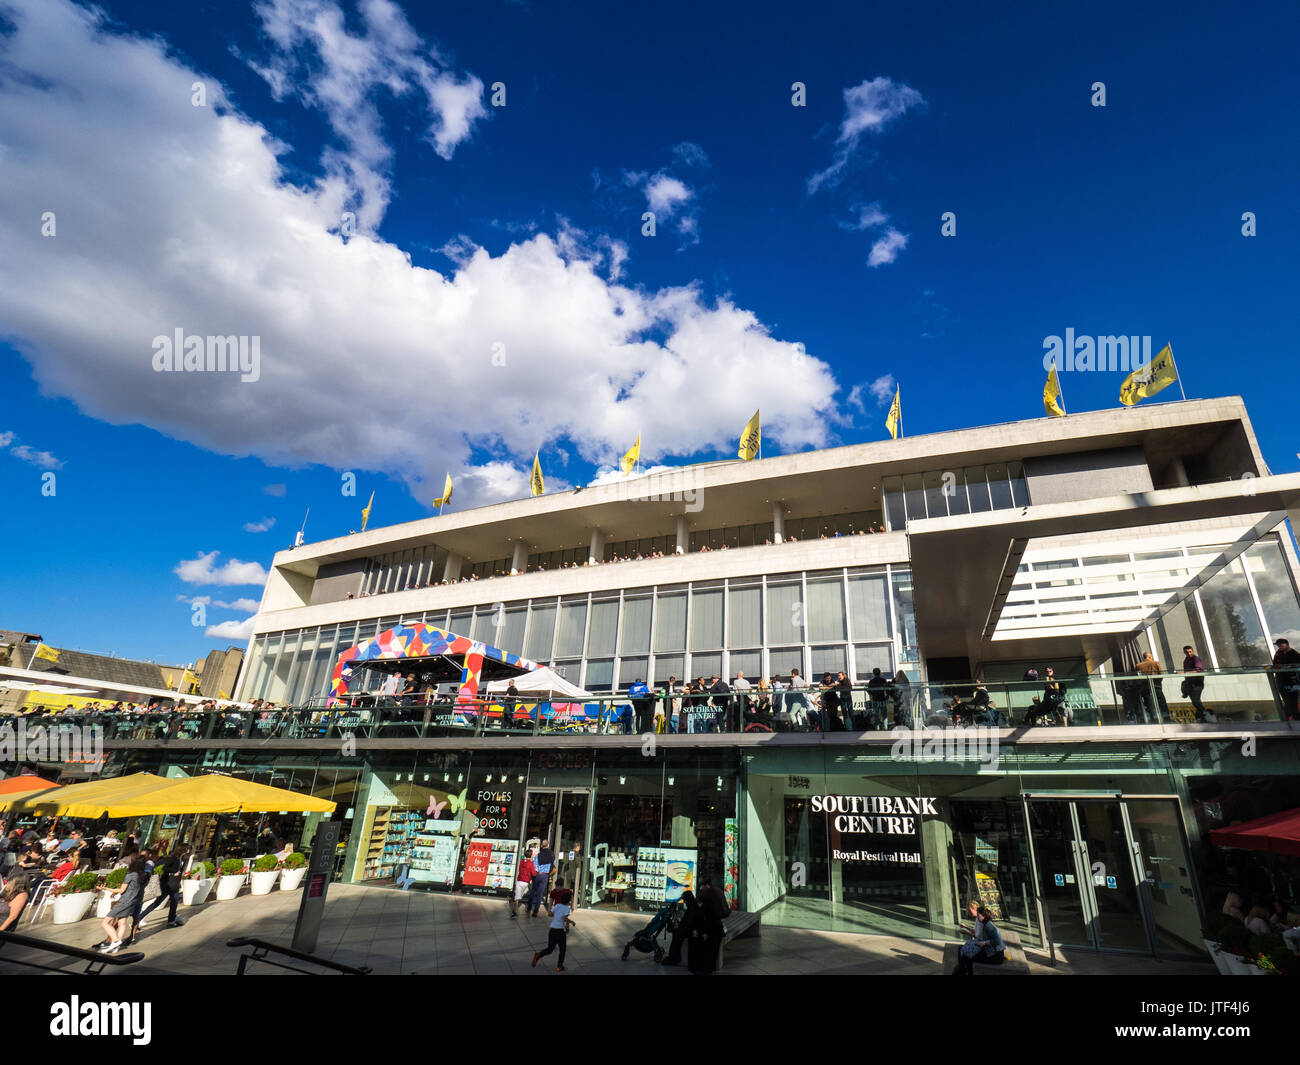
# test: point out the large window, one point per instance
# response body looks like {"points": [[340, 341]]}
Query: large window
{"points": [[744, 616], [541, 632], [572, 628], [1277, 594], [670, 621], [1234, 624], [706, 618], [869, 606], [826, 609], [604, 622], [784, 613], [634, 637]]}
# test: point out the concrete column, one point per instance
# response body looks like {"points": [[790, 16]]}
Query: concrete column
{"points": [[1180, 472], [519, 561], [451, 571], [683, 536], [778, 523], [597, 553]]}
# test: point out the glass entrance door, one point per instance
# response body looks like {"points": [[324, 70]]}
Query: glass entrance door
{"points": [[1114, 874], [559, 817]]}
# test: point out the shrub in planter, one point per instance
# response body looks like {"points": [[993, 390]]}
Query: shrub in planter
{"points": [[268, 863], [265, 871], [294, 860], [73, 897], [1235, 938], [115, 878], [232, 878], [1267, 949], [76, 884], [201, 871], [295, 868]]}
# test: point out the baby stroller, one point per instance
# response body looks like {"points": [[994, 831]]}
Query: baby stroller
{"points": [[647, 939]]}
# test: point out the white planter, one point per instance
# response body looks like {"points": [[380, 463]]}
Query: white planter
{"points": [[68, 909], [291, 879], [228, 886], [104, 904], [264, 882], [196, 892], [1236, 967], [1217, 957]]}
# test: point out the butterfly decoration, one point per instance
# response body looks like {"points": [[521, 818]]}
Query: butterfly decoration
{"points": [[455, 802]]}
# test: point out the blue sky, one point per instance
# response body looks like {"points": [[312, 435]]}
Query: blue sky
{"points": [[491, 291]]}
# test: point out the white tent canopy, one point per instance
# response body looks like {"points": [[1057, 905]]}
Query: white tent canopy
{"points": [[541, 684]]}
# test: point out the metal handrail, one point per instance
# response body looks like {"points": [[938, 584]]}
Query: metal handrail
{"points": [[94, 959], [263, 947]]}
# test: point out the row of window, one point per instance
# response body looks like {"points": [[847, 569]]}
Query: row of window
{"points": [[943, 493], [805, 620]]}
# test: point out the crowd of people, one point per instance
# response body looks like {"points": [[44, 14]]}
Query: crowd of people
{"points": [[1265, 915]]}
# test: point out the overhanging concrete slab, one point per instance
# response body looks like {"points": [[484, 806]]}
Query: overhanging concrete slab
{"points": [[963, 567]]}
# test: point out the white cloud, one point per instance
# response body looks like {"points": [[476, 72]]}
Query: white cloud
{"points": [[869, 215], [868, 108], [201, 570], [181, 217], [277, 490], [317, 58], [242, 605], [670, 196], [886, 249], [665, 194], [259, 526], [615, 474], [231, 630], [6, 439], [43, 459], [882, 389]]}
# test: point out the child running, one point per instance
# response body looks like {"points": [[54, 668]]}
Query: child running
{"points": [[558, 933]]}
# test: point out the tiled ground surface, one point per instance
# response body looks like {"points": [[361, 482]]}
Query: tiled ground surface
{"points": [[418, 933]]}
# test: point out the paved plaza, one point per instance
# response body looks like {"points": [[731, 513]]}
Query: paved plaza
{"points": [[398, 932]]}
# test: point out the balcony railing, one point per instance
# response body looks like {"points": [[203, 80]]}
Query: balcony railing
{"points": [[1228, 696]]}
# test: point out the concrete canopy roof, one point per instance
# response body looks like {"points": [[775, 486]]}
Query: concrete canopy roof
{"points": [[964, 566]]}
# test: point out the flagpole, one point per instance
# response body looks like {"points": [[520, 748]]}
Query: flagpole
{"points": [[1059, 390], [1177, 371]]}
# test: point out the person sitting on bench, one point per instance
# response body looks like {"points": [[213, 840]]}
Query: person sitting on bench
{"points": [[985, 946]]}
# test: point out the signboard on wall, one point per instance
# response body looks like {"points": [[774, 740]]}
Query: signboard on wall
{"points": [[434, 850], [858, 823], [493, 814], [491, 863]]}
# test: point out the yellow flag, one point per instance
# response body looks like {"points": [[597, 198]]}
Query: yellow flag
{"points": [[1158, 374], [633, 456], [47, 653], [446, 494], [535, 481], [751, 439], [895, 416], [1052, 395], [365, 514]]}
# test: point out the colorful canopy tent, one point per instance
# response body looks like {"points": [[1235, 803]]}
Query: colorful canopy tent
{"points": [[422, 648], [1279, 833], [91, 799], [214, 793], [26, 783], [17, 788]]}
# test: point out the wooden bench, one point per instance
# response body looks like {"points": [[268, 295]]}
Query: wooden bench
{"points": [[1015, 964]]}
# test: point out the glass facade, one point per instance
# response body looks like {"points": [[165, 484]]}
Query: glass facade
{"points": [[825, 620]]}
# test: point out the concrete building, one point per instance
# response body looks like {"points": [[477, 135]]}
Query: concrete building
{"points": [[1079, 543]]}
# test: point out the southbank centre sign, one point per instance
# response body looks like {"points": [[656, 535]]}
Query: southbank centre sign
{"points": [[875, 814]]}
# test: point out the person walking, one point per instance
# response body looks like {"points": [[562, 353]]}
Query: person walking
{"points": [[523, 884], [1153, 692], [169, 884], [545, 863], [128, 895], [558, 934], [1286, 661], [1194, 680], [722, 703]]}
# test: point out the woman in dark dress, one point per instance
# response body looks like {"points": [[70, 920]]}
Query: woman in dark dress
{"points": [[687, 923]]}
